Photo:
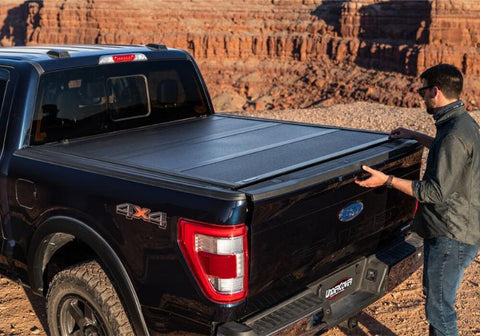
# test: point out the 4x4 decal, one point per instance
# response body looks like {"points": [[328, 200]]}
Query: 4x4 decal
{"points": [[132, 211]]}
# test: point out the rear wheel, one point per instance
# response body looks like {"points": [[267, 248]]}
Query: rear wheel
{"points": [[82, 301]]}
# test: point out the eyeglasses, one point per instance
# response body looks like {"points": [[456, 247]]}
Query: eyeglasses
{"points": [[422, 90]]}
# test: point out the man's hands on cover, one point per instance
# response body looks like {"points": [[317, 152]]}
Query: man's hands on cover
{"points": [[376, 179], [401, 133]]}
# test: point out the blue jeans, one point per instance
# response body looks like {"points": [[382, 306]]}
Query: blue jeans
{"points": [[444, 264]]}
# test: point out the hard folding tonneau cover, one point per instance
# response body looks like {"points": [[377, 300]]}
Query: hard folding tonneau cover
{"points": [[227, 151]]}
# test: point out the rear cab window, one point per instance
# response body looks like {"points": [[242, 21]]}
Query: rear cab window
{"points": [[105, 98]]}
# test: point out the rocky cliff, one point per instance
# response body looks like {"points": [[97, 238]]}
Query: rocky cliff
{"points": [[273, 54]]}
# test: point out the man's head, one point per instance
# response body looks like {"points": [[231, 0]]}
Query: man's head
{"points": [[442, 84]]}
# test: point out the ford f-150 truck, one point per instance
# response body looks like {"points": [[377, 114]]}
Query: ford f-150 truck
{"points": [[135, 210]]}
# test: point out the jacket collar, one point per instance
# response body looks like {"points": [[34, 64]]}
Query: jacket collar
{"points": [[447, 112]]}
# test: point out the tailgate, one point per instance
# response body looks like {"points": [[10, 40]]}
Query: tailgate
{"points": [[308, 223]]}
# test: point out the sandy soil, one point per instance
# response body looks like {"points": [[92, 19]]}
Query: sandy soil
{"points": [[398, 313]]}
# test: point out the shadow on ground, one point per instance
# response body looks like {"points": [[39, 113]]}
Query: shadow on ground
{"points": [[372, 325], [39, 307]]}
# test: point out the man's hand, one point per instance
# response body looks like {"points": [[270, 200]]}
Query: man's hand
{"points": [[377, 179], [401, 133]]}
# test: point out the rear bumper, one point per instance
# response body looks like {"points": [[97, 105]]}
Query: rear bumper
{"points": [[338, 297]]}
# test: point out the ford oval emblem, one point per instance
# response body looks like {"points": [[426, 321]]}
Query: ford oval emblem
{"points": [[350, 212]]}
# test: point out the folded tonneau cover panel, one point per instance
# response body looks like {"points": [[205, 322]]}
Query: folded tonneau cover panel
{"points": [[228, 151]]}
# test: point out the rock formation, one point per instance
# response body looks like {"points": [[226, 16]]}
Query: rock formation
{"points": [[274, 54]]}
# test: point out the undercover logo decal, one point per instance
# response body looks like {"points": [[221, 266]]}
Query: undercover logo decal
{"points": [[338, 288]]}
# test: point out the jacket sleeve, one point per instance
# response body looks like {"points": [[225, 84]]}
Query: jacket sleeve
{"points": [[447, 170]]}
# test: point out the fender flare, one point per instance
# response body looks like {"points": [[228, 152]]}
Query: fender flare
{"points": [[58, 231]]}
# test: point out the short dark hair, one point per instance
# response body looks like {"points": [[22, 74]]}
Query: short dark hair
{"points": [[446, 77]]}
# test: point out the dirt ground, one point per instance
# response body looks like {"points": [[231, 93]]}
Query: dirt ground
{"points": [[400, 312]]}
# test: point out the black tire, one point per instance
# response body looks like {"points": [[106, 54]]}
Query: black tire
{"points": [[82, 301]]}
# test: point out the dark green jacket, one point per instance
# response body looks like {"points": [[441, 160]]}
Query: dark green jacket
{"points": [[449, 194]]}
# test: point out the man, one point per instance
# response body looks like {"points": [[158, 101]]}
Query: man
{"points": [[448, 216]]}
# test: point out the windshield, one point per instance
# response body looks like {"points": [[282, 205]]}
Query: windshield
{"points": [[107, 98]]}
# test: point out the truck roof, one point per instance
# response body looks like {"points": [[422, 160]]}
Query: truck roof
{"points": [[56, 57]]}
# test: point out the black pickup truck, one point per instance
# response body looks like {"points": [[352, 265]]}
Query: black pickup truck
{"points": [[135, 210]]}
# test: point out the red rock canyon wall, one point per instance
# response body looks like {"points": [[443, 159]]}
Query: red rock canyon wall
{"points": [[275, 54]]}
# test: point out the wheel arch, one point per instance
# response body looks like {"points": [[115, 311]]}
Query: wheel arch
{"points": [[60, 231]]}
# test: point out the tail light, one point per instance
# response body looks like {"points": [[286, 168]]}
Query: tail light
{"points": [[218, 257]]}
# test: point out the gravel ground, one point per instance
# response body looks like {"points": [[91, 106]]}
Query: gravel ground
{"points": [[360, 115], [398, 313]]}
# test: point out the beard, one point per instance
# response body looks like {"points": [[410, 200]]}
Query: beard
{"points": [[429, 108]]}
